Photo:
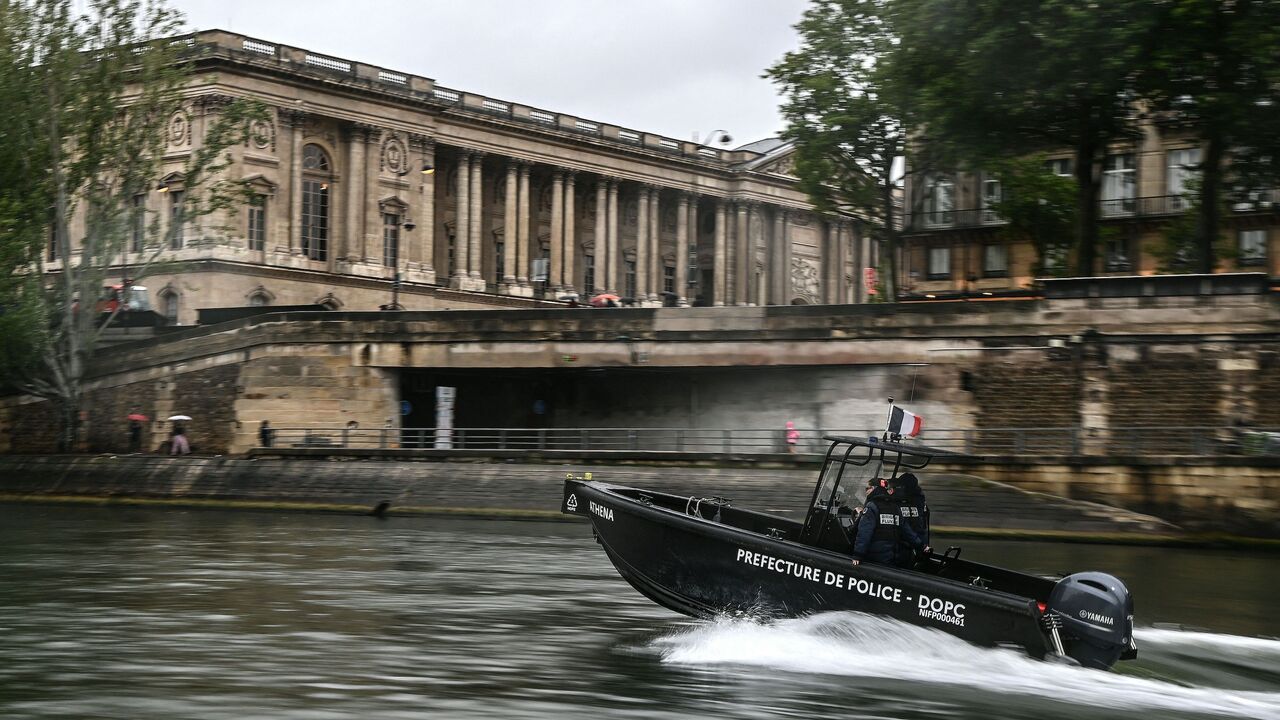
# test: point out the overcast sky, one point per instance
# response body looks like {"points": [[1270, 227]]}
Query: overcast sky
{"points": [[673, 67]]}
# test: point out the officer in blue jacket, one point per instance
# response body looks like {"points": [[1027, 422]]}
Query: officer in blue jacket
{"points": [[880, 528], [915, 514]]}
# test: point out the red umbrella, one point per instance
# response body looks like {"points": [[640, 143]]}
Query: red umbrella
{"points": [[138, 416], [603, 300]]}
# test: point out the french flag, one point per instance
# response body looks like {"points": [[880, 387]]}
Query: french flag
{"points": [[904, 424]]}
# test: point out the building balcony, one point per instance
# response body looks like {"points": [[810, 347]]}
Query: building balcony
{"points": [[1261, 201]]}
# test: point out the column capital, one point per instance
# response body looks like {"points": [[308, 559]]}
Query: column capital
{"points": [[290, 117], [372, 133], [212, 103], [419, 141], [478, 154], [570, 175]]}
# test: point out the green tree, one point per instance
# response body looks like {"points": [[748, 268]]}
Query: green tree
{"points": [[1218, 72], [997, 79], [848, 116], [1039, 207], [87, 101]]}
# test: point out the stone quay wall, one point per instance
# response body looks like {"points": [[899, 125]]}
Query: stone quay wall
{"points": [[1141, 499], [1104, 364]]}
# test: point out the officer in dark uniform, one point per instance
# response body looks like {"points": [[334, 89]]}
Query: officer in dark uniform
{"points": [[915, 515], [880, 528]]}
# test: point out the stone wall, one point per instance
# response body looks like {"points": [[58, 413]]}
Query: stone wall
{"points": [[1236, 494]]}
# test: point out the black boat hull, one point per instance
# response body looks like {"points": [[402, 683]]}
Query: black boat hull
{"points": [[703, 568]]}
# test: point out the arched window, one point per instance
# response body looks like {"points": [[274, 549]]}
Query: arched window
{"points": [[259, 300], [317, 174], [169, 305]]}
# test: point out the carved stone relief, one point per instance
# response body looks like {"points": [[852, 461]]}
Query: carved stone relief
{"points": [[262, 135], [180, 129], [395, 156], [805, 276]]}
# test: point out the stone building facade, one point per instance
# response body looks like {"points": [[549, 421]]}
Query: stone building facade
{"points": [[372, 184], [954, 241]]}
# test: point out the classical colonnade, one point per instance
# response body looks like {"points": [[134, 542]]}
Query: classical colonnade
{"points": [[596, 232]]}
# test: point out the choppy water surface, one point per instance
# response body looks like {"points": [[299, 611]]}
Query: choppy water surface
{"points": [[125, 613]]}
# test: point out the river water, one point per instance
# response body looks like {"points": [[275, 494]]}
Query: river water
{"points": [[137, 613]]}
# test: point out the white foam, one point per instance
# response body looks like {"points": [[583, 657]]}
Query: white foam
{"points": [[852, 644]]}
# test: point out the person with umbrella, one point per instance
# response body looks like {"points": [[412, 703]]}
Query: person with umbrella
{"points": [[135, 431], [178, 444], [605, 300]]}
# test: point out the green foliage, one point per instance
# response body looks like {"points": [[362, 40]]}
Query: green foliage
{"points": [[996, 79], [87, 101], [847, 114], [1040, 208]]}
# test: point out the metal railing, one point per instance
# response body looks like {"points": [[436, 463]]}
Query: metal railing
{"points": [[1053, 441], [1151, 206]]}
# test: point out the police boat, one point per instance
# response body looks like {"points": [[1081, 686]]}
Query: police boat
{"points": [[704, 558]]}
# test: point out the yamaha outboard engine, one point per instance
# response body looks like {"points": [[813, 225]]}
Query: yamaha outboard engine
{"points": [[1090, 614]]}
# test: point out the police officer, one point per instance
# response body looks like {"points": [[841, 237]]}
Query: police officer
{"points": [[915, 515], [880, 529]]}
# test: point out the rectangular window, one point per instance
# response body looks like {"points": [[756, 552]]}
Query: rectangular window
{"points": [[176, 219], [1253, 247], [669, 278], [939, 202], [939, 263], [138, 224], [391, 240], [995, 261], [629, 278], [589, 273], [499, 260], [257, 231], [1118, 254], [452, 258], [1183, 166], [315, 219], [1059, 166], [991, 196], [1119, 183]]}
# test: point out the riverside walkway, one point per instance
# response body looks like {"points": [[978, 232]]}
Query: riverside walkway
{"points": [[961, 504]]}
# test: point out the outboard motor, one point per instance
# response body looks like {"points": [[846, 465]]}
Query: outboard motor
{"points": [[1091, 615]]}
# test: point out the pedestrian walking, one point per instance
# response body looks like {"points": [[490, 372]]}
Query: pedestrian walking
{"points": [[178, 444], [266, 435], [793, 437]]}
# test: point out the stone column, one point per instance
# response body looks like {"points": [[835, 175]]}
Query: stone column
{"points": [[522, 231], [864, 262], [785, 270], [371, 249], [461, 221], [682, 246], [353, 228], [829, 240], [694, 232], [775, 257], [510, 231], [570, 231], [412, 239], [555, 276], [642, 243], [476, 251], [655, 245], [296, 120], [427, 214], [611, 269], [602, 231], [721, 269], [742, 264]]}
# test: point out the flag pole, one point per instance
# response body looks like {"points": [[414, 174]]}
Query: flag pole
{"points": [[888, 420]]}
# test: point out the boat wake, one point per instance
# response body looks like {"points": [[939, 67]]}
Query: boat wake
{"points": [[1178, 672]]}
